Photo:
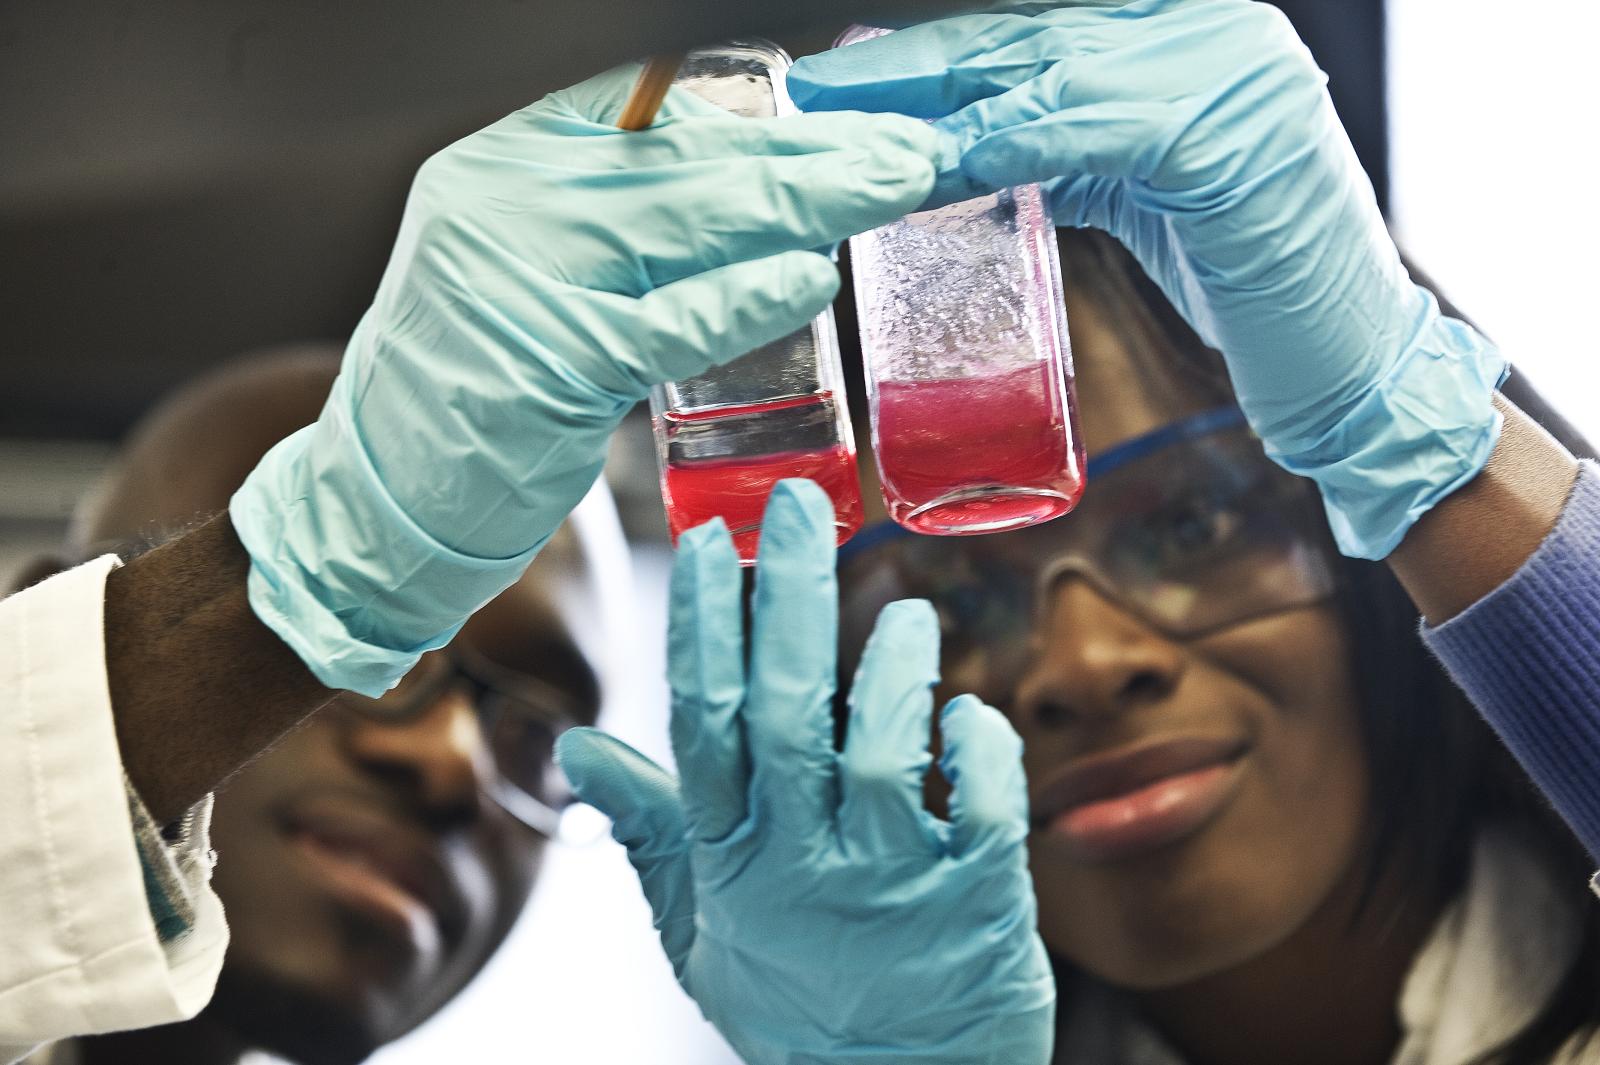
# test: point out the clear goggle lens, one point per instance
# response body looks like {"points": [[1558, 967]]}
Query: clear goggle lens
{"points": [[1193, 533]]}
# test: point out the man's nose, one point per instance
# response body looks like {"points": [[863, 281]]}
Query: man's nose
{"points": [[438, 757], [1092, 660]]}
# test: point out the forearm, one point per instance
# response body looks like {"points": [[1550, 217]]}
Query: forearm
{"points": [[1507, 572], [1528, 656], [198, 685], [1473, 541]]}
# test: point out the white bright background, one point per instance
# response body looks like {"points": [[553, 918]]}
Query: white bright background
{"points": [[1495, 193], [1495, 137]]}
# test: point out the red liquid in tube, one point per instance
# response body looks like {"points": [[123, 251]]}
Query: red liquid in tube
{"points": [[947, 440], [736, 490], [725, 437]]}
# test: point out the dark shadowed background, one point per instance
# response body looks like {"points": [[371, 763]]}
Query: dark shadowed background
{"points": [[185, 180]]}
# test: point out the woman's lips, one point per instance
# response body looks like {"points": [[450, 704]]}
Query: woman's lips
{"points": [[1119, 805]]}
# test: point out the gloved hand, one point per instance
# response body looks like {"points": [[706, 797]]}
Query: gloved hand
{"points": [[1200, 134], [549, 269], [810, 905]]}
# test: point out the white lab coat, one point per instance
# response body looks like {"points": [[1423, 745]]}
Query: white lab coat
{"points": [[79, 952]]}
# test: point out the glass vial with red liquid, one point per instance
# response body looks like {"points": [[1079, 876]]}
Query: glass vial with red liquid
{"points": [[968, 365], [726, 437]]}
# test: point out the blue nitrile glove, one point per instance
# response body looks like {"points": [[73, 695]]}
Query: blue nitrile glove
{"points": [[810, 905], [549, 269], [1200, 134]]}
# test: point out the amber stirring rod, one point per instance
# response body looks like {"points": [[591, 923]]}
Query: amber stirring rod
{"points": [[649, 91]]}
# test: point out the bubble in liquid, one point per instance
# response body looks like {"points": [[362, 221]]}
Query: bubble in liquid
{"points": [[980, 298]]}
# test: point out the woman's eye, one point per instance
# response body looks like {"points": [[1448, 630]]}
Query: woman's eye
{"points": [[972, 601], [1197, 530], [960, 608]]}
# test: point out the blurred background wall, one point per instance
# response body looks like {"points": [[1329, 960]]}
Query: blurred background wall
{"points": [[182, 182], [1492, 120]]}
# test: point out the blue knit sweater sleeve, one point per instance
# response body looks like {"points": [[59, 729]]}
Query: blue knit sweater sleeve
{"points": [[1528, 656]]}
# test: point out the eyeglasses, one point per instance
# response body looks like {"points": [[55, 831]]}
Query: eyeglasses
{"points": [[1191, 528], [520, 718]]}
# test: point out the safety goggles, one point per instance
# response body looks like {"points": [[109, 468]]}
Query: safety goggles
{"points": [[1190, 528], [519, 716]]}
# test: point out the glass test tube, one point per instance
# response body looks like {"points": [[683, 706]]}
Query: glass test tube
{"points": [[724, 438], [968, 365]]}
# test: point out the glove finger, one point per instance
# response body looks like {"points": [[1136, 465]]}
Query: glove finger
{"points": [[705, 663], [692, 194], [925, 71], [710, 140], [709, 213], [796, 135], [716, 317], [886, 748], [1010, 141], [687, 327], [938, 68], [982, 760], [647, 818], [794, 642]]}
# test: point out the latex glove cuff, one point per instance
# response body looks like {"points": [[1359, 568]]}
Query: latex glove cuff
{"points": [[360, 617], [1417, 435]]}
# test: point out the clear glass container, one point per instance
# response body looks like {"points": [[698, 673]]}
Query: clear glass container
{"points": [[968, 365], [724, 438]]}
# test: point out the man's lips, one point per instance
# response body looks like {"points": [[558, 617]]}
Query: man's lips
{"points": [[377, 863], [1126, 802]]}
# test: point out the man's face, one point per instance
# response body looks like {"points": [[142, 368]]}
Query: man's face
{"points": [[366, 873]]}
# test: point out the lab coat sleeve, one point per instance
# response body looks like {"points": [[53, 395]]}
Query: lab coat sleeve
{"points": [[1528, 656], [80, 951], [176, 862]]}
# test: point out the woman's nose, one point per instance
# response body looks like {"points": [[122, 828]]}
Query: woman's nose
{"points": [[1092, 660], [439, 757]]}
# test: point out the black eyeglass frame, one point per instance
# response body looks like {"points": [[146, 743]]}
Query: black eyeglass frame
{"points": [[553, 710]]}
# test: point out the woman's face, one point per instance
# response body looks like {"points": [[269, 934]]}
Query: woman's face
{"points": [[1240, 852], [1195, 800]]}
